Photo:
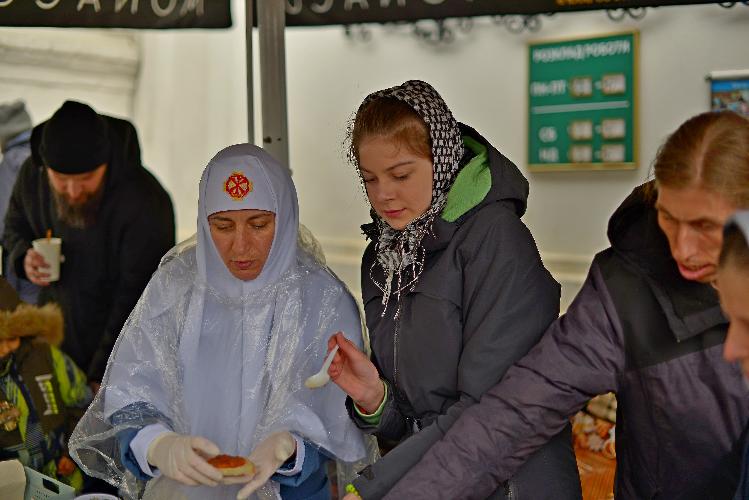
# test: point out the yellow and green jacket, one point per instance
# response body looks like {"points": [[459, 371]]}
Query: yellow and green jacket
{"points": [[51, 393]]}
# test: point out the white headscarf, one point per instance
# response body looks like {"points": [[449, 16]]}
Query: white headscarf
{"points": [[223, 358], [236, 179]]}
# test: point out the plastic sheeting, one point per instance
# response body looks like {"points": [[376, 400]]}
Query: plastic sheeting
{"points": [[147, 374], [206, 354]]}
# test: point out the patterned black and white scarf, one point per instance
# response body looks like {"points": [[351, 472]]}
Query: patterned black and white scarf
{"points": [[400, 252]]}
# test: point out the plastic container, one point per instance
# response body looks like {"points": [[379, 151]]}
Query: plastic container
{"points": [[41, 487]]}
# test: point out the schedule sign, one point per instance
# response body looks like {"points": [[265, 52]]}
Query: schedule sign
{"points": [[582, 103]]}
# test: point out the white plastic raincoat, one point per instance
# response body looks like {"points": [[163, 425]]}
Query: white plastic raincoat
{"points": [[206, 354]]}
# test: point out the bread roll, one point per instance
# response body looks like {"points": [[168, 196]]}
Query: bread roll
{"points": [[232, 466]]}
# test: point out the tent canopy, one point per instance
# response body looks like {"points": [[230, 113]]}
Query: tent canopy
{"points": [[153, 14], [170, 14], [272, 17], [328, 12]]}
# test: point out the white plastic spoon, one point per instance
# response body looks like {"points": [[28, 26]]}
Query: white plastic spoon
{"points": [[321, 378]]}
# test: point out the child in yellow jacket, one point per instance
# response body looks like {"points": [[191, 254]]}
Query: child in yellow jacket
{"points": [[42, 392]]}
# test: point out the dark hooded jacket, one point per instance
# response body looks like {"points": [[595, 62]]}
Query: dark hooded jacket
{"points": [[636, 328], [483, 300], [107, 264]]}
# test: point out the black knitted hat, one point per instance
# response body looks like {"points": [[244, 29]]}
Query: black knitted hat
{"points": [[75, 139]]}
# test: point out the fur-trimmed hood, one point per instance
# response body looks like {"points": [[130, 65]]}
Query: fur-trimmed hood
{"points": [[44, 323], [18, 319]]}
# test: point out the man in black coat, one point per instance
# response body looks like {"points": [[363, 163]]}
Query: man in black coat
{"points": [[84, 182]]}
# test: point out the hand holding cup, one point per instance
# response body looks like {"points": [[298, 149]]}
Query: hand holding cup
{"points": [[36, 268], [42, 263]]}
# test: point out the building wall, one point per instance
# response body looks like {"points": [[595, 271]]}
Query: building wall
{"points": [[46, 66], [482, 76], [186, 92]]}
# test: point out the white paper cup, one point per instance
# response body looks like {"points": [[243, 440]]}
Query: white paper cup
{"points": [[49, 249]]}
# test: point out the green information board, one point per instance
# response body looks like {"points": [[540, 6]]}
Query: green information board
{"points": [[582, 103]]}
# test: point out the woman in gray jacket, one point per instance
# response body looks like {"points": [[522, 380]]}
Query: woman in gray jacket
{"points": [[453, 287]]}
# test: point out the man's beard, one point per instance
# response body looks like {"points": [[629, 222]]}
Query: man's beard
{"points": [[82, 214]]}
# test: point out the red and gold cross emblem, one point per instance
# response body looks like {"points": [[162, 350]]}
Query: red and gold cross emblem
{"points": [[238, 186]]}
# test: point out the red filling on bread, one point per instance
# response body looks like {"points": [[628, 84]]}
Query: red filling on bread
{"points": [[227, 461]]}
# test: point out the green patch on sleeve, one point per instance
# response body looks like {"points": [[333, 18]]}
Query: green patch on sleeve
{"points": [[472, 183], [374, 418]]}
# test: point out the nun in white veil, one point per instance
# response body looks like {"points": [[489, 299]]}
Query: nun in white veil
{"points": [[214, 356]]}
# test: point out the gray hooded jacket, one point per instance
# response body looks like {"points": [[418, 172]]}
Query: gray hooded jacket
{"points": [[637, 328]]}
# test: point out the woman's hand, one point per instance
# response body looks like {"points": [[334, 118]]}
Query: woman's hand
{"points": [[353, 372], [183, 458], [267, 456]]}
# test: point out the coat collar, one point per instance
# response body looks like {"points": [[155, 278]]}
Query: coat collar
{"points": [[690, 307]]}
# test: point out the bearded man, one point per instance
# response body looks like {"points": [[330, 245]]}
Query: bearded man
{"points": [[85, 183]]}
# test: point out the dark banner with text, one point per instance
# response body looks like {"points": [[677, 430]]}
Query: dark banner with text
{"points": [[326, 12], [150, 14]]}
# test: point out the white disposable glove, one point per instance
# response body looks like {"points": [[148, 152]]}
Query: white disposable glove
{"points": [[182, 458], [268, 456]]}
